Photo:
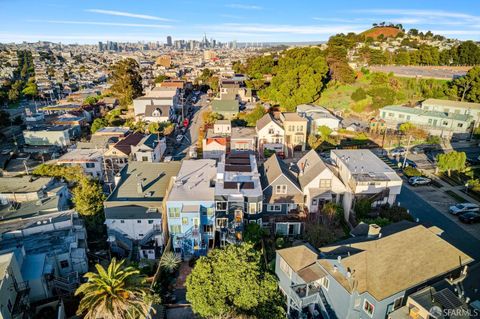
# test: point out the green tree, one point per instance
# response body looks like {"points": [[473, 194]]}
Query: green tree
{"points": [[98, 123], [126, 81], [91, 100], [363, 207], [318, 234], [88, 197], [253, 233], [257, 113], [30, 89], [299, 77], [160, 78], [233, 281], [406, 127], [382, 96], [452, 161], [115, 292], [467, 87]]}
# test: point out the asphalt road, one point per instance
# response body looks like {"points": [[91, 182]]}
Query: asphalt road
{"points": [[430, 216]]}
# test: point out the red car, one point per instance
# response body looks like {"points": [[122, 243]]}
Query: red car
{"points": [[186, 122]]}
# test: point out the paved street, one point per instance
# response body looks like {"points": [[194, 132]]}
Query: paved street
{"points": [[430, 216]]}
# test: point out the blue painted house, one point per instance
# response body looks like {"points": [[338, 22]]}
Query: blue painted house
{"points": [[191, 208]]}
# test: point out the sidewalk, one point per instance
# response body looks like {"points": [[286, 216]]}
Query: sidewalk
{"points": [[456, 189]]}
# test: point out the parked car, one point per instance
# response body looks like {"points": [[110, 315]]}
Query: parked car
{"points": [[179, 138], [463, 208], [398, 151], [424, 148], [470, 218], [419, 180]]}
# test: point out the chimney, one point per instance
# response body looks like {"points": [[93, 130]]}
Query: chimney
{"points": [[238, 186], [140, 186], [374, 231], [302, 168], [116, 179], [277, 115]]}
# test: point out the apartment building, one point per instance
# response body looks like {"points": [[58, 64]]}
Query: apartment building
{"points": [[435, 122], [318, 116], [456, 107], [90, 160], [191, 208], [238, 195], [150, 149], [118, 155], [367, 277], [134, 210]]}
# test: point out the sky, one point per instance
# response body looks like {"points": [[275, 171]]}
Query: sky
{"points": [[90, 21]]}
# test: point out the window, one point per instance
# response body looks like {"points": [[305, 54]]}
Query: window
{"points": [[401, 116], [314, 201], [150, 221], [368, 308], [280, 189], [300, 128], [383, 114], [64, 264], [291, 128], [210, 211], [174, 212], [390, 114], [221, 205], [144, 158], [325, 183], [397, 303], [184, 221], [122, 221], [90, 165], [325, 283], [196, 222], [298, 139], [222, 222], [274, 208], [429, 121], [285, 268], [445, 123], [408, 117], [271, 131], [208, 229], [460, 125], [252, 208], [175, 229], [139, 221], [140, 235]]}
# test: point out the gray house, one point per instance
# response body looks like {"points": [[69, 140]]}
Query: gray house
{"points": [[367, 276], [282, 196]]}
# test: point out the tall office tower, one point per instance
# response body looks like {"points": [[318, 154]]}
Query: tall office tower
{"points": [[234, 44], [100, 46], [169, 41]]}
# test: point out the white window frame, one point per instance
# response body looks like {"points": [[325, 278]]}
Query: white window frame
{"points": [[177, 227], [174, 212], [250, 206], [274, 208], [325, 183], [365, 301], [283, 189], [224, 222], [399, 306], [218, 202]]}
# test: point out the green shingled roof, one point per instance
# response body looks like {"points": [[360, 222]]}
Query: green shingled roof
{"points": [[220, 106]]}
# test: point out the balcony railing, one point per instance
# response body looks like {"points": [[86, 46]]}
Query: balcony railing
{"points": [[304, 295]]}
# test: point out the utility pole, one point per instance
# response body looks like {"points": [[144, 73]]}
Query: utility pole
{"points": [[406, 151]]}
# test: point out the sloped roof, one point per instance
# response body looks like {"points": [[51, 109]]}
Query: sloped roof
{"points": [[298, 257], [273, 167], [312, 165], [163, 109], [125, 145], [265, 120], [391, 264]]}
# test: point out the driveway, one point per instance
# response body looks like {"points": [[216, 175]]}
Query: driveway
{"points": [[428, 215]]}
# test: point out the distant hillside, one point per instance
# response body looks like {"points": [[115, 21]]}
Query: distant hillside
{"points": [[386, 31]]}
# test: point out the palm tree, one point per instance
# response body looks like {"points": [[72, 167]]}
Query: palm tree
{"points": [[117, 292], [169, 261]]}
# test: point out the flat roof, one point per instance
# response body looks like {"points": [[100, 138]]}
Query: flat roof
{"points": [[193, 181], [366, 166], [421, 112], [81, 155], [24, 184], [451, 103]]}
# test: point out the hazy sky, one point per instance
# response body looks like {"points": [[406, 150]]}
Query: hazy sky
{"points": [[89, 21]]}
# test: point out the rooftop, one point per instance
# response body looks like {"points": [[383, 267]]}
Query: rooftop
{"points": [[80, 155], [391, 264], [153, 178], [365, 166], [298, 257], [421, 112], [24, 184], [243, 132], [225, 106], [193, 182], [449, 103]]}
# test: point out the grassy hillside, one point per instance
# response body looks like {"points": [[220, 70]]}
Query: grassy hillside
{"points": [[386, 31]]}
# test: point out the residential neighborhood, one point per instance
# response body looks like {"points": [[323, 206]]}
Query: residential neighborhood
{"points": [[242, 169]]}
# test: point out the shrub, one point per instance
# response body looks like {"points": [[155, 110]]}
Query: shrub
{"points": [[267, 152], [358, 95], [411, 171], [363, 207]]}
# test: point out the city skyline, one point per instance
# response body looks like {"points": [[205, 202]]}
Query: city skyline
{"points": [[88, 22]]}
